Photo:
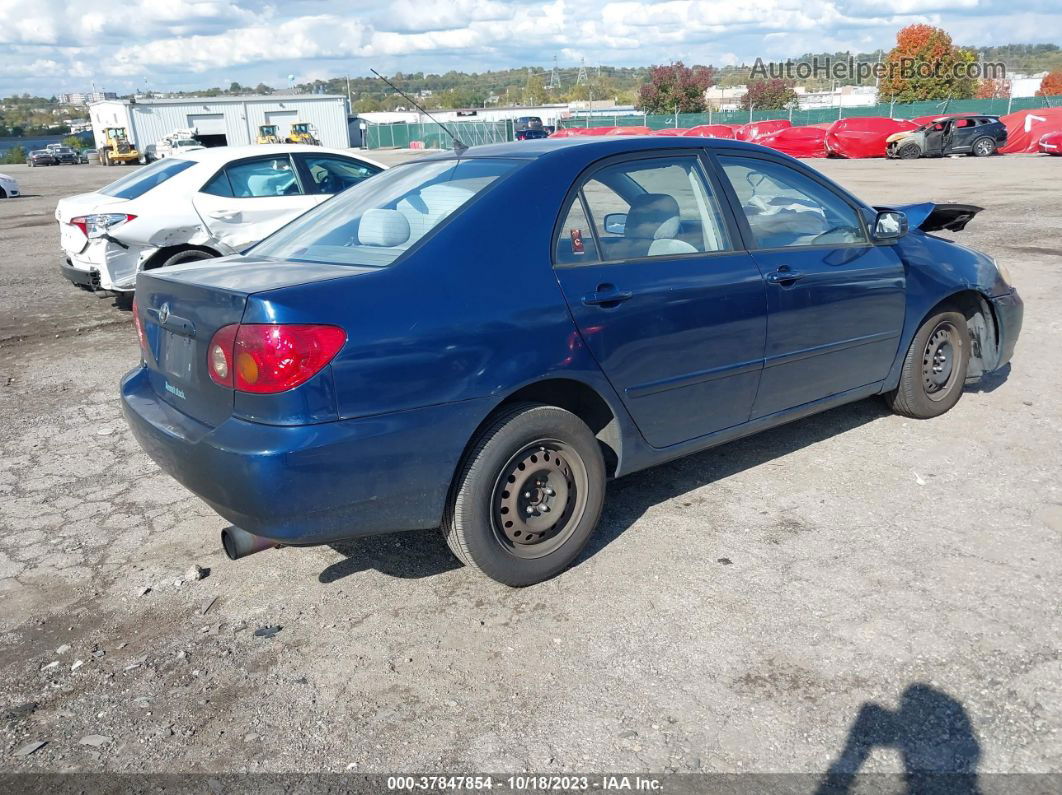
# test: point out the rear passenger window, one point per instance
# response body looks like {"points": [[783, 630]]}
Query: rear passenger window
{"points": [[575, 242], [219, 185], [648, 207]]}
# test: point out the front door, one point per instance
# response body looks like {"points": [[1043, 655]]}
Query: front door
{"points": [[250, 199], [835, 300], [665, 299]]}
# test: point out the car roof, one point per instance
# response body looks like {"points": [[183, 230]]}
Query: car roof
{"points": [[597, 146], [219, 155]]}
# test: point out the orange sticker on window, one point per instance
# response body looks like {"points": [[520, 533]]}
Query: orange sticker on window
{"points": [[577, 240]]}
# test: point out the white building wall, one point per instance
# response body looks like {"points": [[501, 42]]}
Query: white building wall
{"points": [[237, 119]]}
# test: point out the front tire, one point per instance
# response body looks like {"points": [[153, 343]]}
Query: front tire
{"points": [[934, 369], [527, 496], [909, 152]]}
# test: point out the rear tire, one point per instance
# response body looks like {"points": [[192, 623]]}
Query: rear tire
{"points": [[188, 255], [934, 369], [527, 496], [984, 147], [909, 152]]}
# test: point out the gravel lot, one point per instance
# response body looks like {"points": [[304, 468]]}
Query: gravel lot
{"points": [[736, 611]]}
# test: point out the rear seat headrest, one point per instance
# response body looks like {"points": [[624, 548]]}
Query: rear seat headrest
{"points": [[379, 227]]}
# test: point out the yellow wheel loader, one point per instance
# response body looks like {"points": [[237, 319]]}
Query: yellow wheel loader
{"points": [[268, 134], [117, 148], [303, 133]]}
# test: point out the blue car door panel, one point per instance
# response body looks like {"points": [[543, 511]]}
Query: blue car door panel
{"points": [[835, 301], [673, 314]]}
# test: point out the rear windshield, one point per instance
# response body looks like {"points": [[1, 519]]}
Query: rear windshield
{"points": [[378, 220], [144, 179]]}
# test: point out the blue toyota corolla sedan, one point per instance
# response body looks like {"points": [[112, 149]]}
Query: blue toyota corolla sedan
{"points": [[432, 349]]}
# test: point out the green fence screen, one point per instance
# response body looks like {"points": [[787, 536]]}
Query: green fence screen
{"points": [[472, 133]]}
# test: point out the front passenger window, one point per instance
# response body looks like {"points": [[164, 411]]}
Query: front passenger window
{"points": [[786, 208]]}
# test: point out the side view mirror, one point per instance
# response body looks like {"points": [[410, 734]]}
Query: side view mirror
{"points": [[890, 225], [616, 223]]}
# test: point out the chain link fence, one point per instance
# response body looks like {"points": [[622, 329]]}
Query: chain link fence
{"points": [[431, 136]]}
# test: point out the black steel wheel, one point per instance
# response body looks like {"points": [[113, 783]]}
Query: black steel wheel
{"points": [[934, 369], [527, 496], [539, 497]]}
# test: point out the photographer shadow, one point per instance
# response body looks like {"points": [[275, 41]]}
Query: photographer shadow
{"points": [[933, 734]]}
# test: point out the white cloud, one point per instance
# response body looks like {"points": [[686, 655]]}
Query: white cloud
{"points": [[47, 46]]}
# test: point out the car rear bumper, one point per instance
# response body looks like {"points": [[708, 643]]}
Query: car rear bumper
{"points": [[83, 278], [1009, 310], [309, 484]]}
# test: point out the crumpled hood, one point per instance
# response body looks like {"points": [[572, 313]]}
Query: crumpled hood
{"points": [[934, 217]]}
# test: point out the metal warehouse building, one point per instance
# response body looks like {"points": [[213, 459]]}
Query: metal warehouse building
{"points": [[222, 121]]}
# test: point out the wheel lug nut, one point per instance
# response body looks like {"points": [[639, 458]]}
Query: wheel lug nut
{"points": [[530, 509], [527, 495], [545, 509]]}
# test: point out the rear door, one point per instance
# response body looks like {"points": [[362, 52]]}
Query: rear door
{"points": [[250, 199], [671, 308], [835, 300]]}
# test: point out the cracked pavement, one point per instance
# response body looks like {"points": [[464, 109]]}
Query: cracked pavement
{"points": [[751, 608]]}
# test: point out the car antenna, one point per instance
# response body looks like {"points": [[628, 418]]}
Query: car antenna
{"points": [[458, 146]]}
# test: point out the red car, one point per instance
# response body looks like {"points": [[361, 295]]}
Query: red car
{"points": [[1051, 144]]}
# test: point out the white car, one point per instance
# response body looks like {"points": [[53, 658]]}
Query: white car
{"points": [[196, 205], [8, 187]]}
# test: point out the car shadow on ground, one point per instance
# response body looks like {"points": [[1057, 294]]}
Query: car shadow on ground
{"points": [[932, 733], [990, 382], [423, 553], [411, 555], [629, 497]]}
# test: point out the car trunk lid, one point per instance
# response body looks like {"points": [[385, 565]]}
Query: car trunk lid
{"points": [[182, 307]]}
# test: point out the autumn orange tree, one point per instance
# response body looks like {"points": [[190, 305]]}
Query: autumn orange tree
{"points": [[922, 66], [993, 88], [1051, 85]]}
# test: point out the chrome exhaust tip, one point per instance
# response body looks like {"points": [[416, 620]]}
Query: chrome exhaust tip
{"points": [[239, 543]]}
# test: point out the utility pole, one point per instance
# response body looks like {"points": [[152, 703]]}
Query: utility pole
{"points": [[582, 77], [350, 98], [554, 78]]}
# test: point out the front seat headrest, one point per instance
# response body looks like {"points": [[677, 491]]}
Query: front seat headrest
{"points": [[652, 216]]}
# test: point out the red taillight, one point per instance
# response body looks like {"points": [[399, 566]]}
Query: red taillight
{"points": [[267, 358], [139, 326], [219, 355]]}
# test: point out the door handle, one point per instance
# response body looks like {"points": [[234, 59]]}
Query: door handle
{"points": [[783, 276], [606, 296], [224, 216]]}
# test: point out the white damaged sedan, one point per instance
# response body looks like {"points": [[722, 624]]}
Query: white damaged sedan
{"points": [[8, 187], [196, 205]]}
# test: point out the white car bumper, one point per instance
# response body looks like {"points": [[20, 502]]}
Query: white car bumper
{"points": [[101, 264]]}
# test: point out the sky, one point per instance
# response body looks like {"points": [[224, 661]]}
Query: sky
{"points": [[53, 46]]}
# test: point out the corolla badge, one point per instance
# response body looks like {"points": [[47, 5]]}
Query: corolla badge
{"points": [[164, 314]]}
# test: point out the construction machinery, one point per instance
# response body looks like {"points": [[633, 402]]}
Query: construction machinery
{"points": [[117, 148], [303, 133], [268, 134]]}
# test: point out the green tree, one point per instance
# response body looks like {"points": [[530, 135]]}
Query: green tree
{"points": [[16, 154], [676, 87], [772, 94], [535, 90]]}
